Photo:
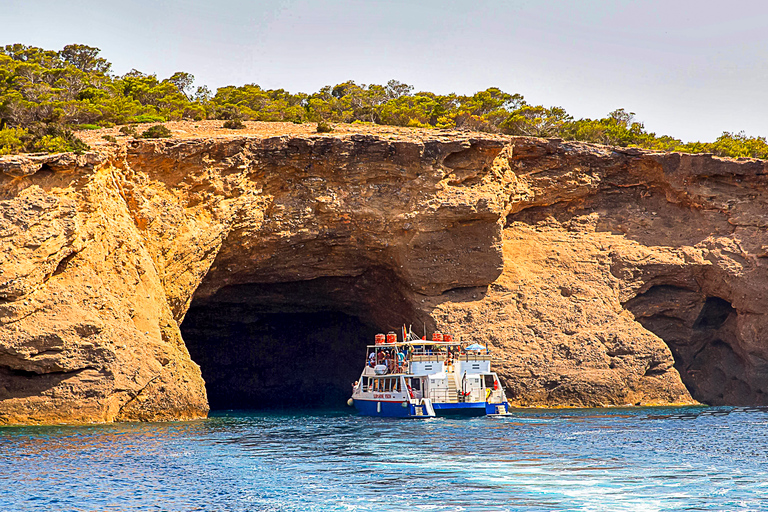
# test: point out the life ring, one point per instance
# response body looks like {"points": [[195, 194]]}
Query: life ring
{"points": [[495, 385]]}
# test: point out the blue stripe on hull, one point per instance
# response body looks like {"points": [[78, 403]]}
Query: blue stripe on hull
{"points": [[388, 409], [463, 409], [466, 409], [396, 409]]}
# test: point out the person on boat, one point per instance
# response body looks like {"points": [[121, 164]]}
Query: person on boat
{"points": [[372, 359], [391, 362], [400, 361]]}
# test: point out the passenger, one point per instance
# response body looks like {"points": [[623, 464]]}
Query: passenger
{"points": [[400, 361], [372, 359]]}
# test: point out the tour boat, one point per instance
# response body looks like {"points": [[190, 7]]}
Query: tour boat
{"points": [[416, 378]]}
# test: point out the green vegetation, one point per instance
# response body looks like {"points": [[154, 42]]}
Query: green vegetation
{"points": [[11, 140], [46, 94], [157, 131], [233, 124], [128, 130]]}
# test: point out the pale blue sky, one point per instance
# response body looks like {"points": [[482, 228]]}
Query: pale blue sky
{"points": [[691, 69]]}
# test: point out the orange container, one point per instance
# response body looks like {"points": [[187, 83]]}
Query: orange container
{"points": [[436, 336], [391, 337], [447, 338], [380, 338]]}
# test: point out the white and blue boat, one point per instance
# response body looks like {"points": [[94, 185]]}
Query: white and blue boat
{"points": [[416, 378]]}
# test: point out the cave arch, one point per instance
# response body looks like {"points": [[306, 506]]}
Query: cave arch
{"points": [[290, 344], [701, 332]]}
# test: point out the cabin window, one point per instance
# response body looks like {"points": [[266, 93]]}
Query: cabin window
{"points": [[396, 386], [488, 381], [377, 384], [416, 384], [387, 384]]}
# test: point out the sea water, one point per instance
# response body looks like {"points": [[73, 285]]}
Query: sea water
{"points": [[612, 460]]}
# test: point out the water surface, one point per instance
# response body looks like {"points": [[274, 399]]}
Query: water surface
{"points": [[612, 460]]}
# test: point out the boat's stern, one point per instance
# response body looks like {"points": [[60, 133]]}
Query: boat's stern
{"points": [[388, 396], [496, 409]]}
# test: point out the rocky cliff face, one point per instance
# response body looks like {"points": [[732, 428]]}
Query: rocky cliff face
{"points": [[594, 274]]}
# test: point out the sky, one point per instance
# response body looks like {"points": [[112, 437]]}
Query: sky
{"points": [[690, 69]]}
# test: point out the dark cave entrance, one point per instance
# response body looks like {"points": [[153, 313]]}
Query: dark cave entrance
{"points": [[700, 331], [254, 361], [713, 314], [289, 345]]}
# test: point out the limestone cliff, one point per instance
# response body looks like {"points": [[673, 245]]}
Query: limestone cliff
{"points": [[591, 272]]}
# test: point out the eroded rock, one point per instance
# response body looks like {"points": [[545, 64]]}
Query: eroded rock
{"points": [[547, 251]]}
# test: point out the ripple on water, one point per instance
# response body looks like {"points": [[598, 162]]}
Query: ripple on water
{"points": [[595, 460]]}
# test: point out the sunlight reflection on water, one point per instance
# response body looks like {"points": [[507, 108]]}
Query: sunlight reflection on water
{"points": [[643, 459]]}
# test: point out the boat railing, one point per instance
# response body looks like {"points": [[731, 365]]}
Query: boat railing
{"points": [[475, 395], [443, 395], [442, 356], [482, 356], [495, 396], [454, 396], [419, 358]]}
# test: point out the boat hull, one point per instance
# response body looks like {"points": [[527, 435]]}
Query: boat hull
{"points": [[389, 409], [469, 409], [395, 409], [459, 409]]}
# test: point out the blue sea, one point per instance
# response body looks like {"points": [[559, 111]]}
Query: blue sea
{"points": [[598, 459]]}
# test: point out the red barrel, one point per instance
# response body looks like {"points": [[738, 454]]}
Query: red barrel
{"points": [[391, 337], [380, 339], [447, 338], [436, 336]]}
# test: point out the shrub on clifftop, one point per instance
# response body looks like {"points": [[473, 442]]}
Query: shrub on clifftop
{"points": [[129, 131], [234, 124], [11, 140], [158, 131]]}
